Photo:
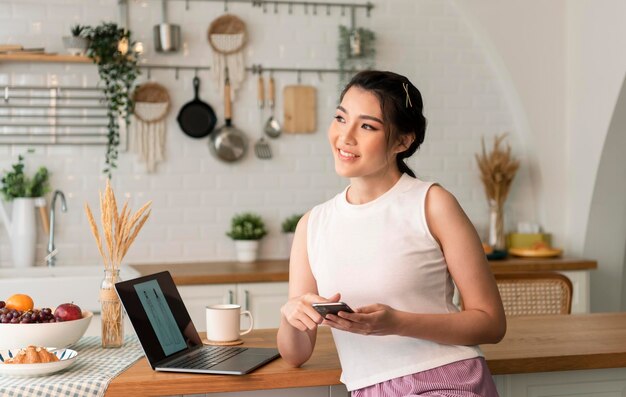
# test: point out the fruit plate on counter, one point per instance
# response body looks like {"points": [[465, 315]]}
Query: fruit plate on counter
{"points": [[66, 358], [536, 253]]}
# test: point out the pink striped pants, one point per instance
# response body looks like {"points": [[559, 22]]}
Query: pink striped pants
{"points": [[465, 378]]}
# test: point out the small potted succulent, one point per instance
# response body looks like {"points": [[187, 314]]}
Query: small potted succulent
{"points": [[77, 43], [247, 229], [289, 228]]}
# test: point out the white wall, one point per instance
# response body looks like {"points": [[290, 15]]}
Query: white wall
{"points": [[195, 195], [565, 66]]}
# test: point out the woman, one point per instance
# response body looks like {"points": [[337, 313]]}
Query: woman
{"points": [[390, 246]]}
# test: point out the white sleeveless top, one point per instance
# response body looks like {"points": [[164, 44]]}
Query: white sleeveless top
{"points": [[383, 252]]}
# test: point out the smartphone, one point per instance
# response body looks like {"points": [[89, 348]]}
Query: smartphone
{"points": [[331, 308]]}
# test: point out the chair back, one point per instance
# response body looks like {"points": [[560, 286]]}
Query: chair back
{"points": [[535, 293]]}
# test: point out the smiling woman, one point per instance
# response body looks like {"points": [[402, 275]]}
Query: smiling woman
{"points": [[390, 246]]}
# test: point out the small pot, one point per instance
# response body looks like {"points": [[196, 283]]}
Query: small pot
{"points": [[76, 45], [166, 37], [247, 250]]}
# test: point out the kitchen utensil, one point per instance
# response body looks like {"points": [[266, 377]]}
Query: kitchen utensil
{"points": [[227, 37], [228, 143], [197, 118], [299, 103], [272, 126], [166, 35], [60, 334], [66, 358], [261, 148], [151, 106]]}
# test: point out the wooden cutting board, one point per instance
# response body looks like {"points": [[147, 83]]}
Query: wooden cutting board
{"points": [[300, 108]]}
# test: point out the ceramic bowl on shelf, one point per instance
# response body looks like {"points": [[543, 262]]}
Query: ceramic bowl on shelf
{"points": [[62, 334], [66, 358]]}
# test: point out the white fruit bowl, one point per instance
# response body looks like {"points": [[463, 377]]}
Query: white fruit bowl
{"points": [[17, 336]]}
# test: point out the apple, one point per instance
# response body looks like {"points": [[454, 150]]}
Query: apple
{"points": [[68, 312]]}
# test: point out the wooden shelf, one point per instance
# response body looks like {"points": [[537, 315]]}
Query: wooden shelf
{"points": [[44, 58]]}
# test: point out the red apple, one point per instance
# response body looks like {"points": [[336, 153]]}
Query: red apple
{"points": [[68, 312]]}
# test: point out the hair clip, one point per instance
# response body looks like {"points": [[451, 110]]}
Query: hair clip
{"points": [[407, 103]]}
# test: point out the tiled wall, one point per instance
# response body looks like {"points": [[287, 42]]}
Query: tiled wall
{"points": [[194, 195]]}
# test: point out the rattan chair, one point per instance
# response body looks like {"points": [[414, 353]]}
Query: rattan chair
{"points": [[535, 293]]}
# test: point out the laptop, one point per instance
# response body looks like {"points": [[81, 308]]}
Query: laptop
{"points": [[168, 337]]}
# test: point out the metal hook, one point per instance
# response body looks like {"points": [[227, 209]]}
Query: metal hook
{"points": [[275, 8], [195, 72], [176, 73], [369, 8], [186, 5], [306, 8], [319, 76], [299, 76], [57, 92], [225, 5], [149, 73], [328, 9], [264, 7], [6, 94], [343, 11], [290, 8]]}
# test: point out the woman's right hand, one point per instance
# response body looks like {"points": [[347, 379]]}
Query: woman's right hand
{"points": [[300, 314]]}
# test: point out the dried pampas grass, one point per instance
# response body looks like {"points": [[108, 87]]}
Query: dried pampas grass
{"points": [[119, 229], [497, 170]]}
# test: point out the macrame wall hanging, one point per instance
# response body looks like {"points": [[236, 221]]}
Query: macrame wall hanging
{"points": [[228, 36], [152, 104]]}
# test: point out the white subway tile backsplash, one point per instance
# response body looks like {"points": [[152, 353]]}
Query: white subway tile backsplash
{"points": [[194, 194]]}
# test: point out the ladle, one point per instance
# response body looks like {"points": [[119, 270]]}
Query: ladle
{"points": [[272, 126]]}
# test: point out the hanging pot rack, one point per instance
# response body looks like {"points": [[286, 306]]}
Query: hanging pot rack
{"points": [[312, 5]]}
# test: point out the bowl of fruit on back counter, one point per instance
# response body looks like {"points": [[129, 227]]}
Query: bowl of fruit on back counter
{"points": [[23, 324]]}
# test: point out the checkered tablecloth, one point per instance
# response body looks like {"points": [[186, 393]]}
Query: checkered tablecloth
{"points": [[89, 376]]}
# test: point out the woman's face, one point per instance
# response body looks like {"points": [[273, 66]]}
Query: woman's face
{"points": [[357, 136]]}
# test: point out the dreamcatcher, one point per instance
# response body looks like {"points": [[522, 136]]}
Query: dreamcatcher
{"points": [[152, 103], [228, 36]]}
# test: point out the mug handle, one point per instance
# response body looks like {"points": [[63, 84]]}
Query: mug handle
{"points": [[247, 313]]}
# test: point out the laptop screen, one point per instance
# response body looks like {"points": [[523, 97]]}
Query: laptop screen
{"points": [[158, 315]]}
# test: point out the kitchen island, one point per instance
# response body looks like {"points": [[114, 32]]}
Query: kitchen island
{"points": [[539, 356]]}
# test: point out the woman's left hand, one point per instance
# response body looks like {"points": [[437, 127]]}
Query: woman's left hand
{"points": [[376, 319]]}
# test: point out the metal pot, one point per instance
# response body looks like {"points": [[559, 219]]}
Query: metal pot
{"points": [[166, 35]]}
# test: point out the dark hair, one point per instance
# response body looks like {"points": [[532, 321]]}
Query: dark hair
{"points": [[399, 117]]}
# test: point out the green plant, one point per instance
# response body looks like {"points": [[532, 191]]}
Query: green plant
{"points": [[290, 223], [349, 62], [15, 184], [247, 226], [78, 30], [111, 49]]}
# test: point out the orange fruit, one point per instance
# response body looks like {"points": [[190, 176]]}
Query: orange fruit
{"points": [[487, 248], [21, 302]]}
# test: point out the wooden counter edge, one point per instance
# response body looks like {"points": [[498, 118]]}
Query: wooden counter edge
{"points": [[277, 270]]}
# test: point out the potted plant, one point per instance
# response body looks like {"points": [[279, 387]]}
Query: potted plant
{"points": [[247, 229], [111, 49], [77, 43], [289, 228], [25, 194]]}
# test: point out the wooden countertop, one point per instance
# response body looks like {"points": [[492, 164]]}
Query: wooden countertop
{"points": [[532, 344], [278, 269]]}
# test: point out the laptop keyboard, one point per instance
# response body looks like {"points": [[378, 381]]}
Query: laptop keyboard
{"points": [[206, 357]]}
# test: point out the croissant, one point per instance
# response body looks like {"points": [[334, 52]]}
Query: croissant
{"points": [[32, 355]]}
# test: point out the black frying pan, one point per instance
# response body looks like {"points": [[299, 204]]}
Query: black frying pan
{"points": [[197, 119]]}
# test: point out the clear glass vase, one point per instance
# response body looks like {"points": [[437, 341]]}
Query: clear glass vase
{"points": [[496, 225], [112, 311]]}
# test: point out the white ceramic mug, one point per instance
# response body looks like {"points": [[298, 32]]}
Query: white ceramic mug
{"points": [[223, 322]]}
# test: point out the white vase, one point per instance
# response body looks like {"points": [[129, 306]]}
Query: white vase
{"points": [[247, 250], [22, 230]]}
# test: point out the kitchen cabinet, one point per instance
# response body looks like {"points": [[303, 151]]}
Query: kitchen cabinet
{"points": [[262, 299]]}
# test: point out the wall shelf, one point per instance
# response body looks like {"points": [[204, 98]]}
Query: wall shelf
{"points": [[43, 58]]}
